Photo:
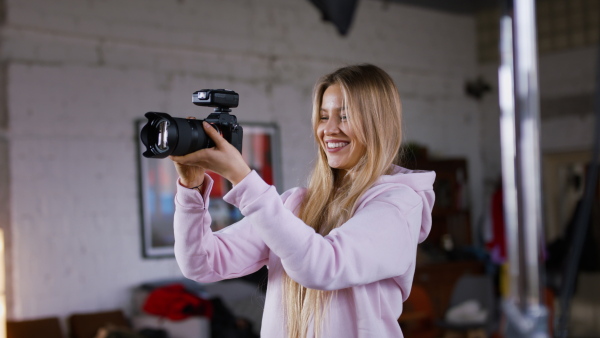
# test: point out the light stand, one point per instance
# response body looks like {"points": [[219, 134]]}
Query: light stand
{"points": [[525, 313]]}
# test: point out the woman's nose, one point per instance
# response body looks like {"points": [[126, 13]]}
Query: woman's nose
{"points": [[332, 127]]}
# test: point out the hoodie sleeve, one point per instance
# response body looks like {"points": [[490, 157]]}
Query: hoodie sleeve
{"points": [[205, 256], [378, 242]]}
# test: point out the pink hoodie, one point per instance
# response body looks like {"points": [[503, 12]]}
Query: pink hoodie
{"points": [[369, 260]]}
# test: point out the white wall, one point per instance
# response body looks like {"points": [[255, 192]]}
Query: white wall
{"points": [[80, 72]]}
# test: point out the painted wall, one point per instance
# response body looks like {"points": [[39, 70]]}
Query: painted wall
{"points": [[79, 73]]}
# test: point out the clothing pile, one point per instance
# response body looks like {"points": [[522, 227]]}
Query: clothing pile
{"points": [[175, 302]]}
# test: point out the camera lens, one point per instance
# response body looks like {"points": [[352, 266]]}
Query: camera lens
{"points": [[164, 135]]}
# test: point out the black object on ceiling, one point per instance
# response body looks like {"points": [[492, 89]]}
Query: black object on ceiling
{"points": [[338, 12]]}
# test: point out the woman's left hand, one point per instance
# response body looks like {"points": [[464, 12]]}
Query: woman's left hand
{"points": [[223, 159]]}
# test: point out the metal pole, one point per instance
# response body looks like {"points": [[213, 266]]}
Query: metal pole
{"points": [[509, 151], [525, 313], [528, 158]]}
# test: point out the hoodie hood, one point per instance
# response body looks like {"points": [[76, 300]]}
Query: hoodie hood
{"points": [[420, 181]]}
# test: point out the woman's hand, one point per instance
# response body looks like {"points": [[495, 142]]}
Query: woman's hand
{"points": [[189, 176], [224, 159]]}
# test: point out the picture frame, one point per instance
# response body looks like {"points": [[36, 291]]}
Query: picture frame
{"points": [[158, 179]]}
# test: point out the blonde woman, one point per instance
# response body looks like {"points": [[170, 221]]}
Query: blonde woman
{"points": [[341, 252]]}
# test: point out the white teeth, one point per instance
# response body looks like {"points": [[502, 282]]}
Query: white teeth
{"points": [[332, 145]]}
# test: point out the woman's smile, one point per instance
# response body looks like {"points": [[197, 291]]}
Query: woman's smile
{"points": [[334, 146]]}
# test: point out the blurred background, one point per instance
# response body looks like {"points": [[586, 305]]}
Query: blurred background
{"points": [[75, 76]]}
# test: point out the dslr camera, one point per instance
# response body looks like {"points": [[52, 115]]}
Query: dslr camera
{"points": [[164, 135]]}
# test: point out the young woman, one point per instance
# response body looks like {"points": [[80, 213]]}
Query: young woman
{"points": [[341, 253]]}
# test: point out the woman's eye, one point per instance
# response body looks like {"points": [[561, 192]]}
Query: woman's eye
{"points": [[344, 118], [324, 118]]}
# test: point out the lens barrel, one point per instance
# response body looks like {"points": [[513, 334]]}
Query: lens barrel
{"points": [[164, 135]]}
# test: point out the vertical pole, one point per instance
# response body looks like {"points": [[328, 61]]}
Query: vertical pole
{"points": [[519, 123], [509, 152], [528, 157]]}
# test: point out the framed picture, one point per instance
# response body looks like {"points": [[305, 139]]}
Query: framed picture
{"points": [[158, 179]]}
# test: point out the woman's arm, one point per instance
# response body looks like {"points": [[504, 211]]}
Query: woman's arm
{"points": [[378, 242], [205, 256]]}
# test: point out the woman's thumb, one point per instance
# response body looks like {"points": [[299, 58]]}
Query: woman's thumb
{"points": [[213, 133]]}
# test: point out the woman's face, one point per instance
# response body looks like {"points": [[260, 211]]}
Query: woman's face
{"points": [[337, 138]]}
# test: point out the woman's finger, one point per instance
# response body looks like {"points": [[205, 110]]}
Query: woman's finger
{"points": [[213, 134], [189, 159], [174, 158]]}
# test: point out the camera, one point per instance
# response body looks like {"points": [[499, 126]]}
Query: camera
{"points": [[164, 135]]}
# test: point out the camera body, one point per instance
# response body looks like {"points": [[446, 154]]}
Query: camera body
{"points": [[164, 135]]}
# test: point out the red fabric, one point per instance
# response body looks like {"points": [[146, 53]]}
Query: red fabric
{"points": [[498, 242], [175, 303]]}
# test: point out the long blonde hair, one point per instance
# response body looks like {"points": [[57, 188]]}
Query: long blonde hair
{"points": [[375, 115]]}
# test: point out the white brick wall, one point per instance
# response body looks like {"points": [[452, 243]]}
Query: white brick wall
{"points": [[80, 73]]}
